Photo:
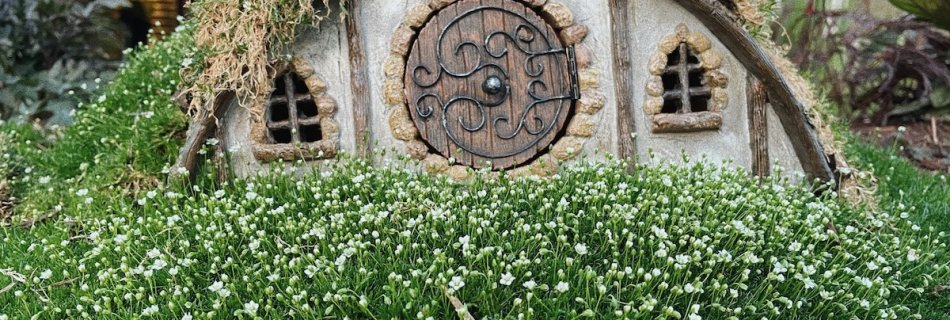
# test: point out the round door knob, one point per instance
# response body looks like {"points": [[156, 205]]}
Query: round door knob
{"points": [[493, 85]]}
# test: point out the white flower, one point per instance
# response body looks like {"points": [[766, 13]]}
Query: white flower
{"points": [[82, 192], [912, 255], [530, 284], [682, 259], [46, 274], [120, 238], [187, 316], [251, 307], [689, 288], [660, 233], [809, 283], [173, 271], [153, 309], [159, 264], [562, 287], [872, 266], [456, 283], [902, 129], [464, 240], [795, 246], [778, 268], [153, 253], [580, 248], [216, 286], [506, 279], [809, 270], [695, 317]]}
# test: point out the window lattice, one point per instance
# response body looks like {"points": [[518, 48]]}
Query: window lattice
{"points": [[292, 115], [684, 87]]}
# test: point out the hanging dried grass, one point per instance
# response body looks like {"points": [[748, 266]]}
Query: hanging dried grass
{"points": [[240, 44]]}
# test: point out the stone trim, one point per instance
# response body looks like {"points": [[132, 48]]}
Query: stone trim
{"points": [[326, 148], [711, 63], [580, 128]]}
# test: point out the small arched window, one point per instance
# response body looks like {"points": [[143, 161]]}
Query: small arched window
{"points": [[684, 87], [291, 114], [687, 91], [295, 120]]}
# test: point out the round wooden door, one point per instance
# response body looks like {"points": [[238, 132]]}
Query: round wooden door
{"points": [[488, 81]]}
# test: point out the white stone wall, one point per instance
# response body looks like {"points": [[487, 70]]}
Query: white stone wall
{"points": [[327, 49]]}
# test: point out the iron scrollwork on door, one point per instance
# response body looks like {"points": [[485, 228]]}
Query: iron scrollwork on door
{"points": [[490, 83]]}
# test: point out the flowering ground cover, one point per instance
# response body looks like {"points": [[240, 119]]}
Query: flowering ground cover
{"points": [[675, 242], [95, 234]]}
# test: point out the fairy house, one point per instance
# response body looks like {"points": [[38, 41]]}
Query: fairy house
{"points": [[525, 86]]}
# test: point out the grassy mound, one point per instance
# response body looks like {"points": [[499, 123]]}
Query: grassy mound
{"points": [[118, 145], [360, 242], [693, 242]]}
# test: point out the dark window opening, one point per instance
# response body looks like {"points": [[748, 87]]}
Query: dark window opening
{"points": [[684, 86], [292, 115], [310, 133], [278, 112], [306, 109], [281, 135]]}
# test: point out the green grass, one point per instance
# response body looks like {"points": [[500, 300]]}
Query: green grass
{"points": [[901, 183]]}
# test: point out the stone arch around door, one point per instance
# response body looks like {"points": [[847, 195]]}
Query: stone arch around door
{"points": [[491, 84]]}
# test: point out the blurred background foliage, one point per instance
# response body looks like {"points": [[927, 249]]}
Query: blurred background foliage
{"points": [[54, 53], [51, 52], [874, 60], [935, 11]]}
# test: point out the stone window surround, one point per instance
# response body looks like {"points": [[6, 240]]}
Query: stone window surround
{"points": [[580, 128], [326, 148], [710, 61]]}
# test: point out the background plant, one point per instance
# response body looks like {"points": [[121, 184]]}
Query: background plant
{"points": [[873, 68], [51, 54]]}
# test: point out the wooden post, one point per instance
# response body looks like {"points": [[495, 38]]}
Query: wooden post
{"points": [[623, 73], [203, 127], [758, 127], [359, 80]]}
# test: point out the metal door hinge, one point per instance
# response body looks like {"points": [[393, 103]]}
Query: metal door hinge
{"points": [[572, 69]]}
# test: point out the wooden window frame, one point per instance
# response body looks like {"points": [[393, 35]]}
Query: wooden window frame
{"points": [[267, 148]]}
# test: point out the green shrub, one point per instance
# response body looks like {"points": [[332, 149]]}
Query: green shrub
{"points": [[672, 242]]}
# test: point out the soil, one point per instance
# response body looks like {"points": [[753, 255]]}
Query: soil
{"points": [[917, 141]]}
